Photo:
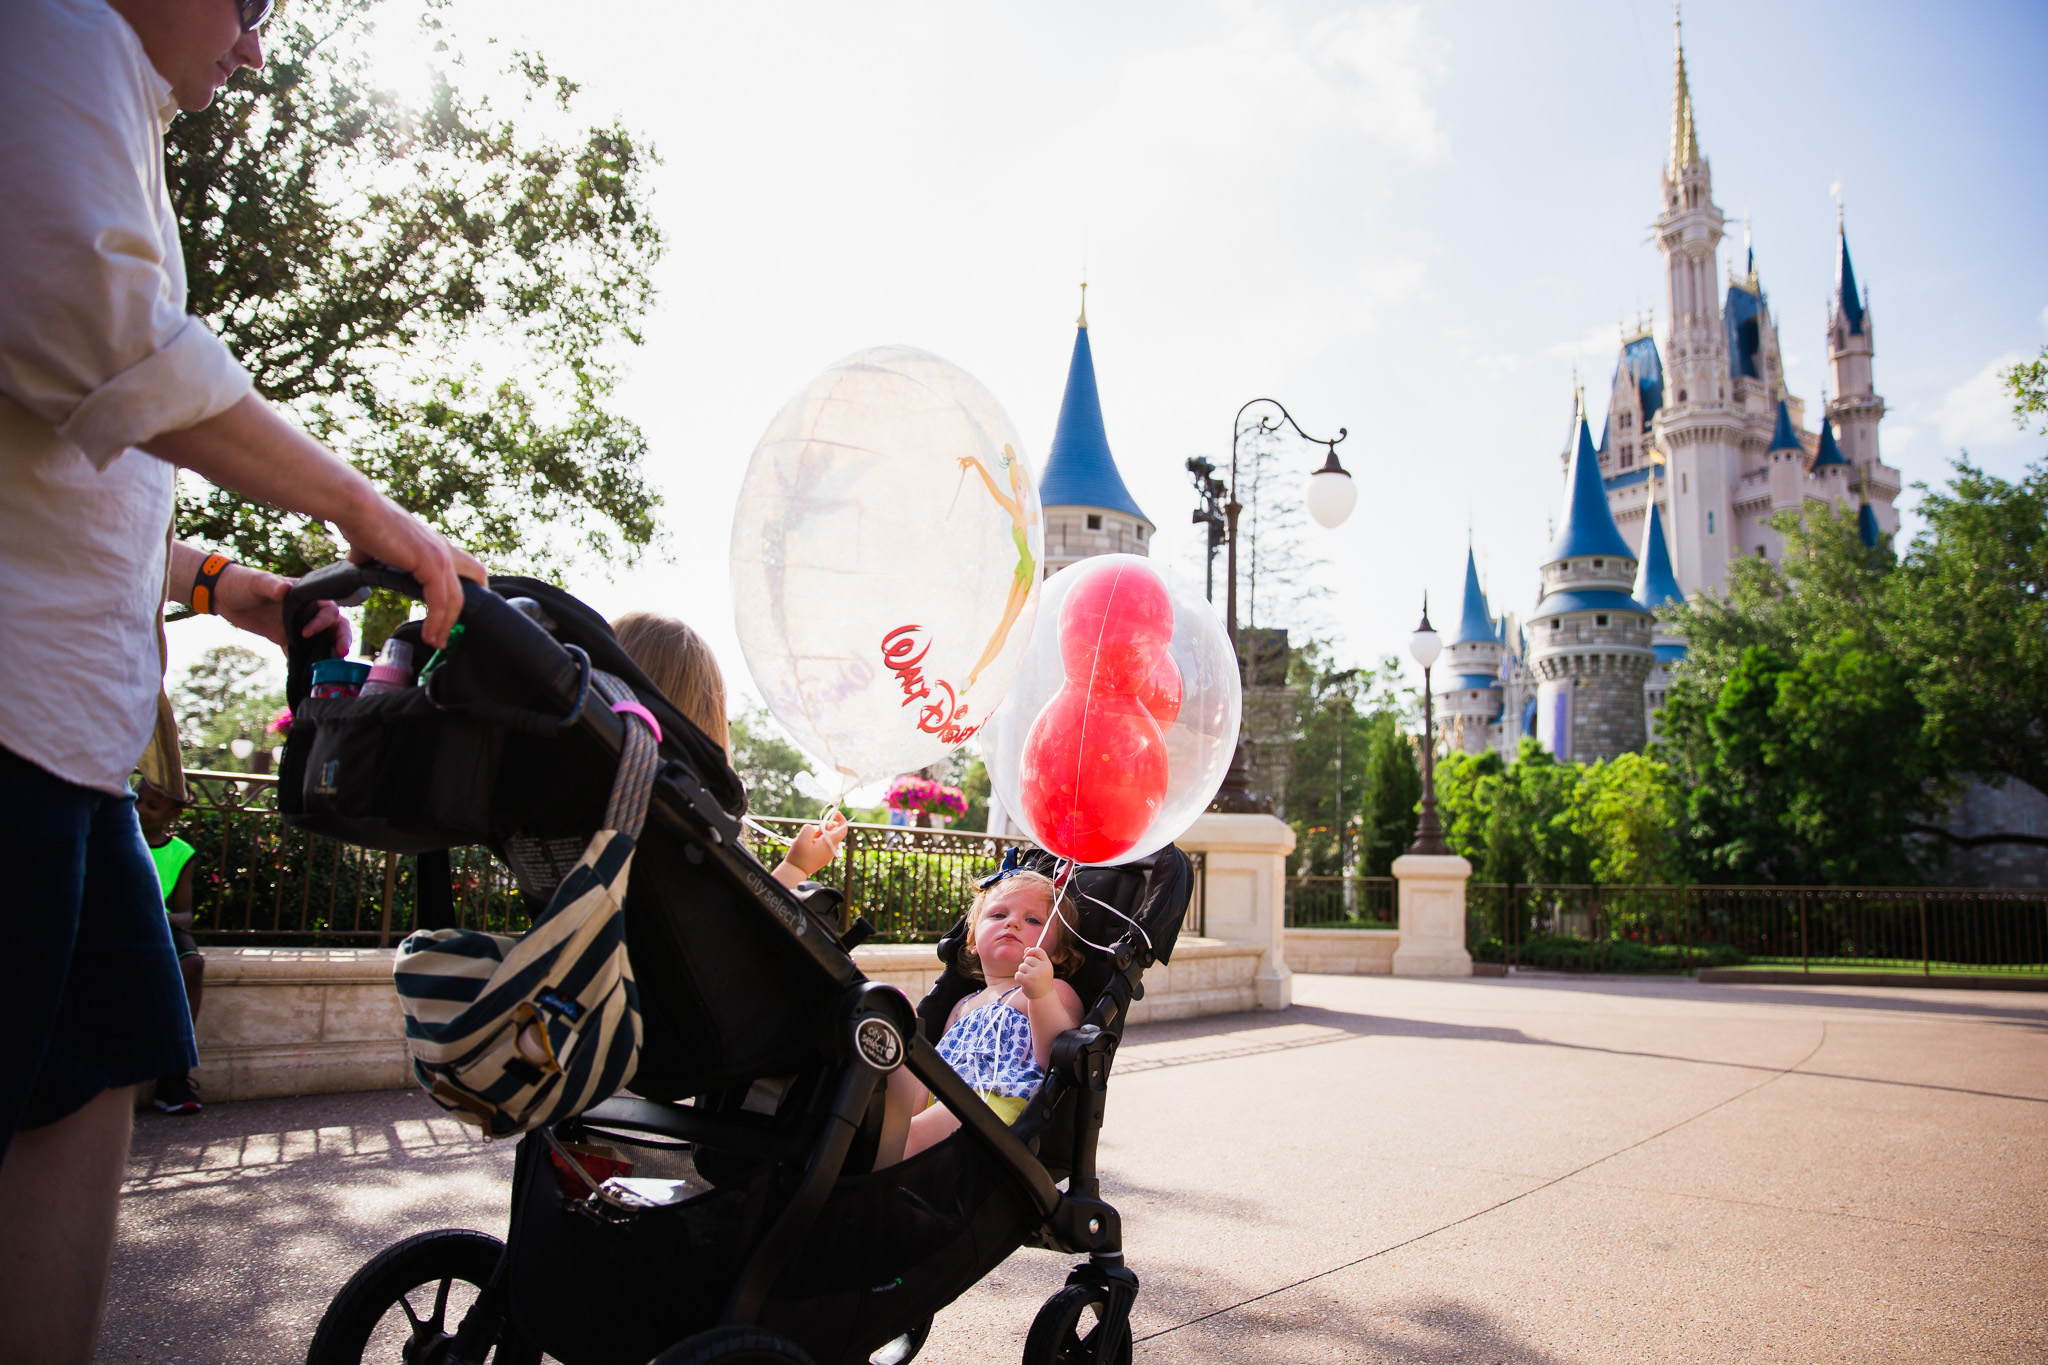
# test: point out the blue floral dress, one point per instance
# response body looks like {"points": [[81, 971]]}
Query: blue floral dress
{"points": [[990, 1046]]}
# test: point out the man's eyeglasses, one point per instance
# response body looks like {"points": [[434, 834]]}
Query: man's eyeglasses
{"points": [[252, 13]]}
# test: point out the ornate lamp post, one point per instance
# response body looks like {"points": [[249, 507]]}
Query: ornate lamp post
{"points": [[1331, 496], [1425, 645]]}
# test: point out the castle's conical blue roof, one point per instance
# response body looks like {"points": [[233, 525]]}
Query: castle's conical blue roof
{"points": [[1656, 585], [1867, 529], [1847, 301], [1079, 470], [1830, 453], [1589, 527], [1782, 436], [1475, 622], [1744, 316]]}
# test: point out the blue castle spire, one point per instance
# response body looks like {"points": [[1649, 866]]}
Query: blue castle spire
{"points": [[1866, 525], [1656, 585], [1847, 301], [1475, 621], [1782, 436], [1589, 527], [1830, 453], [1079, 470]]}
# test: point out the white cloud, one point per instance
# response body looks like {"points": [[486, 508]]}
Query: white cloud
{"points": [[1978, 411], [2044, 317]]}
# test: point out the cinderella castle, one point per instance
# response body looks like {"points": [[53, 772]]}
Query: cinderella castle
{"points": [[1695, 456]]}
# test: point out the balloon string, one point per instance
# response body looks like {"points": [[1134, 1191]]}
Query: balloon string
{"points": [[1063, 871], [765, 832]]}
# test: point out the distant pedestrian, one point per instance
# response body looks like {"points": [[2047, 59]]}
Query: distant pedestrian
{"points": [[156, 810], [107, 387]]}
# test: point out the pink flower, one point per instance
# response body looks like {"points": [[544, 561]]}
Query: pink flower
{"points": [[281, 723]]}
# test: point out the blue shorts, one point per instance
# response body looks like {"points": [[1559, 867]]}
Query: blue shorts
{"points": [[94, 997]]}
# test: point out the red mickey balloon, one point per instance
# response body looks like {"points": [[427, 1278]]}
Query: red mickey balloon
{"points": [[1093, 772], [1114, 628]]}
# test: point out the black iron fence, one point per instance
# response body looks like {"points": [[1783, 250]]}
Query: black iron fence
{"points": [[1930, 930], [1342, 902], [258, 881]]}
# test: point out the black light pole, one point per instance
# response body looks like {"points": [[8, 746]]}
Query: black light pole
{"points": [[1331, 496], [1425, 645], [1209, 513]]}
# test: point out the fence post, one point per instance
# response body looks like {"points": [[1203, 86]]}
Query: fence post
{"points": [[390, 894], [1925, 969], [1803, 965]]}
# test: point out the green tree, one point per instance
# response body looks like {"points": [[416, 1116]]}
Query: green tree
{"points": [[435, 292], [228, 693], [1809, 769], [1968, 617], [1352, 784], [1630, 812], [1393, 794], [1514, 821], [769, 765], [2028, 384]]}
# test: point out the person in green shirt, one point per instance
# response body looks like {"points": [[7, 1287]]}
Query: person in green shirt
{"points": [[156, 810]]}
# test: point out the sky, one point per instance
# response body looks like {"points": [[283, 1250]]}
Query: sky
{"points": [[1410, 221]]}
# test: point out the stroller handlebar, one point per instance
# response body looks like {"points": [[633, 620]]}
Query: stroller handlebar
{"points": [[543, 657]]}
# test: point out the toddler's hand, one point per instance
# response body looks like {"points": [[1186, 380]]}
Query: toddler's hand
{"points": [[817, 845], [1034, 974]]}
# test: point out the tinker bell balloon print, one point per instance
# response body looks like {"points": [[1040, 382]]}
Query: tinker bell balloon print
{"points": [[1023, 513], [872, 579]]}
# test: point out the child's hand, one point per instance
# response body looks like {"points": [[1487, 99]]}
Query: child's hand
{"points": [[1034, 974], [817, 845]]}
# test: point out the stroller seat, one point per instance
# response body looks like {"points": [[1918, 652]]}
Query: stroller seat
{"points": [[753, 1226]]}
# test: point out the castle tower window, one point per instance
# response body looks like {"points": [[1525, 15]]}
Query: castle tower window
{"points": [[1599, 620], [1095, 521], [1600, 564], [1710, 523]]}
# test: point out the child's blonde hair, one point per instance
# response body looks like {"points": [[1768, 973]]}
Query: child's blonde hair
{"points": [[1059, 935], [676, 660]]}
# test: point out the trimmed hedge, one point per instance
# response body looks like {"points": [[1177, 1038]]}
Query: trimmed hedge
{"points": [[1555, 952]]}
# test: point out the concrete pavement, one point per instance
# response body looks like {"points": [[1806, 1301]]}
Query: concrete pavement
{"points": [[1536, 1169]]}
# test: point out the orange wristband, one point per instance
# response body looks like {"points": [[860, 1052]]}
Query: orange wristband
{"points": [[206, 581]]}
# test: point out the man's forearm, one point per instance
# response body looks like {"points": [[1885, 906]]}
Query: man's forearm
{"points": [[251, 449]]}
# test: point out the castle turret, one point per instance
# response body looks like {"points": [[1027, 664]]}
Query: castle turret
{"points": [[1088, 511], [1856, 408], [1589, 643], [1700, 427], [1787, 459], [1469, 699], [1829, 472], [1657, 587]]}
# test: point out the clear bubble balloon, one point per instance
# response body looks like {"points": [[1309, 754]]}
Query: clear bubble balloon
{"points": [[1122, 719], [886, 554]]}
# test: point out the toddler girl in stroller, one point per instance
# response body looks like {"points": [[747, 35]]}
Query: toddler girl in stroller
{"points": [[1000, 1038]]}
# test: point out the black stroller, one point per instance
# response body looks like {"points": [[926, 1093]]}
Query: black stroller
{"points": [[753, 1227]]}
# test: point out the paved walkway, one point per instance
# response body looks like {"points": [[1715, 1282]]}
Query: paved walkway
{"points": [[1538, 1169]]}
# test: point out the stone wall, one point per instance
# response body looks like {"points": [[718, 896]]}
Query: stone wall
{"points": [[313, 1021], [1343, 952], [2014, 808], [1607, 708]]}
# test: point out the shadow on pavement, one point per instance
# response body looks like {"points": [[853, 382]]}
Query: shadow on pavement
{"points": [[239, 1225], [1292, 1327]]}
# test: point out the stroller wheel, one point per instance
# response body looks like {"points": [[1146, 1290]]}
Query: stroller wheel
{"points": [[1067, 1330], [406, 1304], [902, 1350], [734, 1346]]}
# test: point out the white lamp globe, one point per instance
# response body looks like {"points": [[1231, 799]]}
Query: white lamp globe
{"points": [[1425, 644], [241, 748], [1331, 494]]}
